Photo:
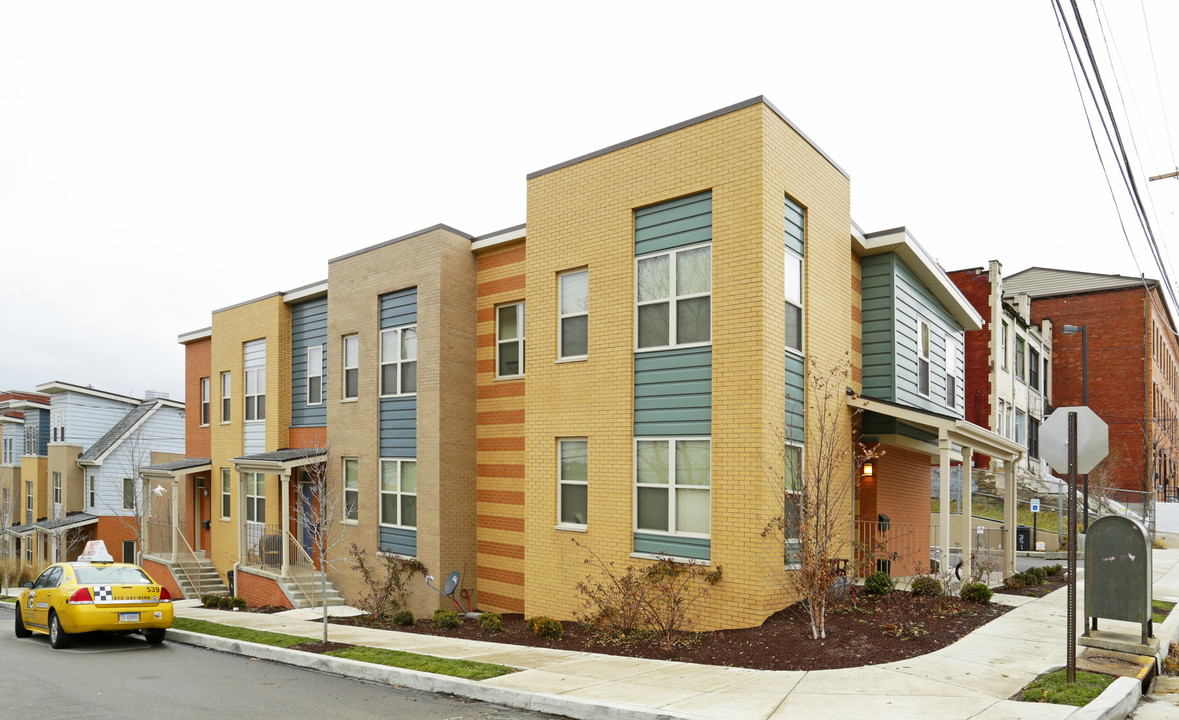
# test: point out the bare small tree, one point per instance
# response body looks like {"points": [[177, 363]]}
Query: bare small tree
{"points": [[816, 484], [135, 507], [323, 520], [5, 543]]}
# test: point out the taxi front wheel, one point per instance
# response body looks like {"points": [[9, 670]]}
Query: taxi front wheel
{"points": [[21, 630], [58, 637]]}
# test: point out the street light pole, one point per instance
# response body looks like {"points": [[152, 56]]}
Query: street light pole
{"points": [[1084, 330]]}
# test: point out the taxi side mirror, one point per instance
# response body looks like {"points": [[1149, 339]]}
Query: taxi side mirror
{"points": [[28, 585]]}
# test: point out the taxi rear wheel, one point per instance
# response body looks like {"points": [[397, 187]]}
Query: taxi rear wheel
{"points": [[21, 630], [58, 637], [154, 636]]}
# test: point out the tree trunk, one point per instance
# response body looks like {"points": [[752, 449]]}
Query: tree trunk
{"points": [[323, 597]]}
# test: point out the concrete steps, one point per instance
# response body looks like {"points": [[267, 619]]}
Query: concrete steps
{"points": [[313, 597]]}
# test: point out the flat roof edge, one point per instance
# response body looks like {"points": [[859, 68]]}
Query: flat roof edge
{"points": [[423, 231]]}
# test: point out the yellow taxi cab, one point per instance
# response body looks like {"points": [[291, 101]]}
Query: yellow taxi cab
{"points": [[95, 593]]}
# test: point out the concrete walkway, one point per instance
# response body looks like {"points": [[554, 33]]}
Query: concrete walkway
{"points": [[973, 678]]}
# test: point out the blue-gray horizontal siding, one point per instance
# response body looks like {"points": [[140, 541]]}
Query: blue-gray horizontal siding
{"points": [[308, 329], [673, 392], [795, 397], [674, 223], [673, 546], [399, 308], [399, 427], [402, 541]]}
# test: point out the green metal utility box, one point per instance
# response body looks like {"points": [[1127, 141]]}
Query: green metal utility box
{"points": [[1118, 573]]}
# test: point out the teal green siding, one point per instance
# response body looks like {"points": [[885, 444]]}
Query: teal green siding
{"points": [[673, 392], [675, 223], [673, 546], [874, 425], [794, 226], [893, 300], [795, 397]]}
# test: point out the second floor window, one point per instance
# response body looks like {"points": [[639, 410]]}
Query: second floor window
{"points": [[1020, 358], [351, 367], [1034, 369], [951, 372], [128, 494], [793, 301], [56, 488], [923, 358], [1003, 346], [574, 315], [399, 356], [315, 375], [509, 340], [205, 401], [256, 394], [225, 397], [674, 298]]}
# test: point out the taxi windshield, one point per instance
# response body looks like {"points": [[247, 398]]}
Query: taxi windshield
{"points": [[110, 574]]}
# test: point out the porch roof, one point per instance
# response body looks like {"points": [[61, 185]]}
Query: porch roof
{"points": [[66, 523], [176, 468], [279, 462], [959, 432]]}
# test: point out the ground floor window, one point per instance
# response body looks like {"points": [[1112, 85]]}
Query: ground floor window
{"points": [[351, 489], [573, 479], [792, 505], [128, 551], [255, 497], [399, 493], [673, 478]]}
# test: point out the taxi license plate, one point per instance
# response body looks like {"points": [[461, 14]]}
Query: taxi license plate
{"points": [[128, 617]]}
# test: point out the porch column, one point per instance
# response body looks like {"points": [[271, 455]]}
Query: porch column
{"points": [[242, 554], [1010, 507], [175, 512], [967, 510], [285, 521], [943, 532]]}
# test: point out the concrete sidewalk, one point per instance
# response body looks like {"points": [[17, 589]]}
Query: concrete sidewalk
{"points": [[973, 678]]}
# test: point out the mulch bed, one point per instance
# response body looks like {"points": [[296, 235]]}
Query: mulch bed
{"points": [[864, 630], [1054, 582], [319, 646]]}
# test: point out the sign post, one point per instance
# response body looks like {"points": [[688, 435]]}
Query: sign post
{"points": [[1073, 440], [1035, 522]]}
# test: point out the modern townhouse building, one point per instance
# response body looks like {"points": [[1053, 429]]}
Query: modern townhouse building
{"points": [[1132, 383], [16, 510], [1008, 366], [625, 374]]}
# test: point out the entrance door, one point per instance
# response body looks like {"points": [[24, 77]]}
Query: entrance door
{"points": [[306, 512], [197, 516]]}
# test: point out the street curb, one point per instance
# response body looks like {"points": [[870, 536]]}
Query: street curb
{"points": [[417, 680], [1116, 702]]}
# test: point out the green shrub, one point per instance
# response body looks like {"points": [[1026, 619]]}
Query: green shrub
{"points": [[239, 603], [1054, 570], [403, 617], [211, 601], [1158, 542], [491, 622], [976, 592], [444, 619], [1015, 582], [546, 627], [926, 585], [1037, 574], [225, 602], [879, 583]]}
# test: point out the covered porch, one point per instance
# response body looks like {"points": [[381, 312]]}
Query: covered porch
{"points": [[895, 520], [176, 522]]}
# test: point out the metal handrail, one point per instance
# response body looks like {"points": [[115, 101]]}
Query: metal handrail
{"points": [[300, 567], [185, 557]]}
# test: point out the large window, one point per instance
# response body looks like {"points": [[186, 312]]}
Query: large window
{"points": [[674, 298], [672, 486], [573, 326], [256, 394], [923, 358], [226, 396], [1003, 347], [1033, 438], [1034, 369], [315, 375], [793, 301], [91, 492], [226, 494], [509, 340], [351, 490], [28, 502], [1020, 358], [792, 505], [56, 488], [255, 498], [573, 481], [399, 493], [1020, 420], [399, 361], [204, 401], [30, 440], [129, 494], [351, 367]]}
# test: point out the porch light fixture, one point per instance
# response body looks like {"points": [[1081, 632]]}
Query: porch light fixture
{"points": [[869, 470]]}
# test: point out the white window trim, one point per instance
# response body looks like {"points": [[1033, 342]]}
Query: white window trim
{"points": [[398, 333], [519, 339], [344, 490], [226, 492], [259, 408], [123, 490], [562, 316], [801, 305], [317, 376], [671, 486], [344, 396], [672, 299], [56, 487], [396, 493], [226, 398], [801, 466], [561, 525], [926, 358], [206, 401], [251, 500]]}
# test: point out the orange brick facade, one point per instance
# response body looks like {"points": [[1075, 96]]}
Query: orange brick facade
{"points": [[900, 491], [162, 576], [259, 590]]}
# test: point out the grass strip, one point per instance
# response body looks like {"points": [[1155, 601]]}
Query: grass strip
{"points": [[8, 599], [1162, 609], [261, 637], [466, 669], [1053, 688]]}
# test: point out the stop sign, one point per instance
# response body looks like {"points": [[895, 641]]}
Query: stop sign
{"points": [[1092, 439]]}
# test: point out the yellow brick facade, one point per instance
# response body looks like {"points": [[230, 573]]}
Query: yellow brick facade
{"points": [[267, 318], [582, 216]]}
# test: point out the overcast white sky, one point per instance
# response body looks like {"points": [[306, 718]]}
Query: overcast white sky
{"points": [[159, 160]]}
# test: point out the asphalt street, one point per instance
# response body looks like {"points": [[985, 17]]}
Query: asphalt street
{"points": [[122, 677]]}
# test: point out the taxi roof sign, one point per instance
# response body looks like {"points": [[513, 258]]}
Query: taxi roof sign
{"points": [[96, 552]]}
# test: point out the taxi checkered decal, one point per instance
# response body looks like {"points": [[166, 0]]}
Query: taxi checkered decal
{"points": [[103, 594]]}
